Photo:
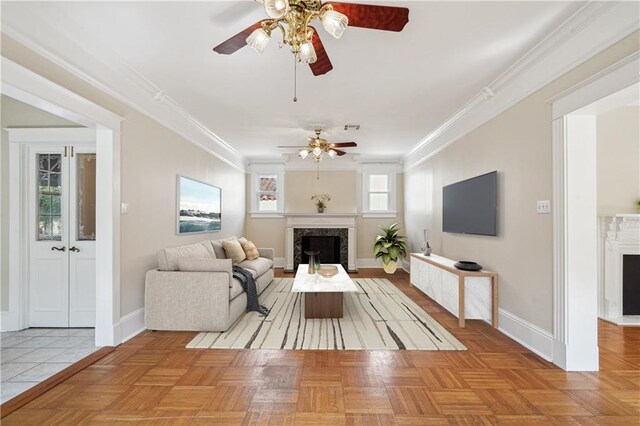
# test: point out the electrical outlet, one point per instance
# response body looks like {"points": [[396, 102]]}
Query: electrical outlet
{"points": [[544, 207], [124, 208]]}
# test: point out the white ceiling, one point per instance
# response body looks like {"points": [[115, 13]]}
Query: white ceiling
{"points": [[398, 86]]}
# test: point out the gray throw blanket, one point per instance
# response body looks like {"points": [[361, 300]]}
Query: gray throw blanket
{"points": [[249, 285]]}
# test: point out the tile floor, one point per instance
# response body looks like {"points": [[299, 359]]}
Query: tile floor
{"points": [[30, 356]]}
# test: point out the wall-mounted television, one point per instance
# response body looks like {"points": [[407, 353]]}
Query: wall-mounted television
{"points": [[470, 206]]}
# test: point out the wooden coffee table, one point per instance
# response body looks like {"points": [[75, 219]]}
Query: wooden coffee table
{"points": [[323, 297]]}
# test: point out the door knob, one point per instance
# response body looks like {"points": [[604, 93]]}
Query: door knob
{"points": [[63, 248], [74, 248]]}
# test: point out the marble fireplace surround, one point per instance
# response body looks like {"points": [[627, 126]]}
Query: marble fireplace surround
{"points": [[321, 221]]}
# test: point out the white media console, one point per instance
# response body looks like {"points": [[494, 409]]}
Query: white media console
{"points": [[466, 294]]}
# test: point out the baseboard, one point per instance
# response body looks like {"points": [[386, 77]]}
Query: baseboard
{"points": [[278, 262], [369, 263], [130, 325], [528, 335], [10, 321]]}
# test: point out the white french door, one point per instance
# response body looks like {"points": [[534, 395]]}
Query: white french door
{"points": [[62, 274]]}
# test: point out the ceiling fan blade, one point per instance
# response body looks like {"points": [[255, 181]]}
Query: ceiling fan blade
{"points": [[386, 18], [340, 152], [322, 65], [344, 144], [236, 42]]}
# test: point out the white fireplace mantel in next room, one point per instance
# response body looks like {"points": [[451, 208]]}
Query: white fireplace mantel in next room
{"points": [[320, 220]]}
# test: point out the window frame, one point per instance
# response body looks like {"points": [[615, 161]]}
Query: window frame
{"points": [[390, 170], [258, 170]]}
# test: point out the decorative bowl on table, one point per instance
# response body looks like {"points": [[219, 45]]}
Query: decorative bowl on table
{"points": [[327, 271]]}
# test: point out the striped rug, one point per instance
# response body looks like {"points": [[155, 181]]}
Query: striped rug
{"points": [[380, 316]]}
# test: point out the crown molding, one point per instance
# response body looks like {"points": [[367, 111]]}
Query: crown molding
{"points": [[98, 65], [592, 29]]}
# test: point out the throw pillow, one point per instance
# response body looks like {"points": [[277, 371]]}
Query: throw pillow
{"points": [[234, 251], [250, 250]]}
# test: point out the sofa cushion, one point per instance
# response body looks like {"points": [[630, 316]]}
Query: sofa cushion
{"points": [[235, 289], [218, 249], [168, 257], [204, 265], [250, 250], [234, 251], [259, 265]]}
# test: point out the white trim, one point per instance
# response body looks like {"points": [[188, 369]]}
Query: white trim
{"points": [[9, 321], [529, 335], [50, 135], [134, 89], [130, 325], [257, 169], [369, 263], [595, 27], [261, 215], [31, 88], [382, 215], [575, 335], [388, 169]]}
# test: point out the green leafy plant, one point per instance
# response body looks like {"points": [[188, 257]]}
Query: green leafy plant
{"points": [[321, 200], [390, 246]]}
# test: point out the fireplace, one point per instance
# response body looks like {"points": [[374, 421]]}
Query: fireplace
{"points": [[332, 243], [340, 226], [631, 284]]}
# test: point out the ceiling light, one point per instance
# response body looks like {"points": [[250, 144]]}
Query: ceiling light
{"points": [[276, 9], [303, 154], [317, 151], [334, 22], [307, 53], [258, 40], [332, 153]]}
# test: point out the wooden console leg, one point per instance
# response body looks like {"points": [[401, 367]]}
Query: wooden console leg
{"points": [[461, 301]]}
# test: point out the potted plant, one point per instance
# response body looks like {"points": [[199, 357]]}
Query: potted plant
{"points": [[391, 247], [321, 201]]}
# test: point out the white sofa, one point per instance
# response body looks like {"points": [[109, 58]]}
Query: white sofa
{"points": [[193, 289]]}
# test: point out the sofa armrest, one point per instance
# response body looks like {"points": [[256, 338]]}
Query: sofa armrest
{"points": [[206, 265], [177, 300], [266, 252]]}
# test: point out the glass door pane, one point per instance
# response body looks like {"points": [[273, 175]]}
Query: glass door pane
{"points": [[49, 197], [86, 196]]}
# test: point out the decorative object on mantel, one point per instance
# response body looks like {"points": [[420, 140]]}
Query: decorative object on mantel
{"points": [[465, 265], [426, 248], [321, 201], [391, 247], [314, 261], [304, 39]]}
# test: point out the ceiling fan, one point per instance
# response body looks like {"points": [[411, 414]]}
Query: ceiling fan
{"points": [[303, 38], [318, 146]]}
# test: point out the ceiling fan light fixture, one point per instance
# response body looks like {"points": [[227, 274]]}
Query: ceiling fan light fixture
{"points": [[303, 154], [317, 151], [276, 9], [258, 40], [334, 22], [307, 53], [332, 153]]}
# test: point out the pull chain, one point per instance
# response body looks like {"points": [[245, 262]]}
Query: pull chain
{"points": [[295, 78]]}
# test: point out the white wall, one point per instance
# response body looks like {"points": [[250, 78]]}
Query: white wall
{"points": [[618, 161], [151, 157], [518, 144]]}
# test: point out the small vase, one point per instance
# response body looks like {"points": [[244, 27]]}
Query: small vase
{"points": [[320, 209]]}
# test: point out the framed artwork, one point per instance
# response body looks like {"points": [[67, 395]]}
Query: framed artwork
{"points": [[199, 206]]}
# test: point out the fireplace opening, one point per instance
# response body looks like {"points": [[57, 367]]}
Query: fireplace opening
{"points": [[631, 284], [328, 246]]}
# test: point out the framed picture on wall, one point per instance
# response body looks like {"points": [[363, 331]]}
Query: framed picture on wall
{"points": [[199, 206]]}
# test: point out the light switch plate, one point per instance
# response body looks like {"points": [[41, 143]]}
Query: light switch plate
{"points": [[124, 208], [544, 207]]}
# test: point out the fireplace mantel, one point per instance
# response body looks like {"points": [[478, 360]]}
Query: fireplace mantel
{"points": [[320, 220]]}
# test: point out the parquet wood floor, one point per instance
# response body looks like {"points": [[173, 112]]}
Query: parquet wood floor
{"points": [[153, 379]]}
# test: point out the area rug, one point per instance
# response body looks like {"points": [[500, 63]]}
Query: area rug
{"points": [[380, 316]]}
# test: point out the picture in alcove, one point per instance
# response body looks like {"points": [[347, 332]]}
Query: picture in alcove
{"points": [[199, 206]]}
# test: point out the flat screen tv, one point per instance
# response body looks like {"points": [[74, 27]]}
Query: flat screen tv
{"points": [[469, 207]]}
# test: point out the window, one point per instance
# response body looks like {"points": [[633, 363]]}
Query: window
{"points": [[267, 189], [49, 197], [378, 189]]}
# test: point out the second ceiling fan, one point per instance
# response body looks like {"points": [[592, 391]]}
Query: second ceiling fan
{"points": [[318, 147], [304, 40]]}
